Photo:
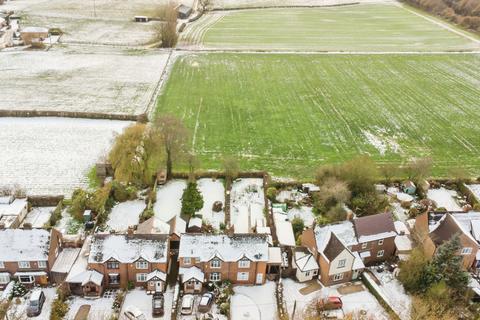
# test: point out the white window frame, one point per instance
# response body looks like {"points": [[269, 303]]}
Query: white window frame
{"points": [[24, 264], [338, 277], [342, 263], [42, 264], [307, 273], [244, 263], [141, 277], [243, 276], [213, 264], [466, 251], [364, 245], [141, 265], [4, 278], [380, 242], [215, 276], [187, 260], [2, 265], [380, 253], [31, 279], [315, 272], [115, 263]]}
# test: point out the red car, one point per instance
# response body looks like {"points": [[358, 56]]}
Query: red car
{"points": [[330, 303]]}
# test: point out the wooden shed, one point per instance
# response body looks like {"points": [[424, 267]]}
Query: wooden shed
{"points": [[30, 35]]}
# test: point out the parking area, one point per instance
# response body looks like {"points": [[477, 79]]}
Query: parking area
{"points": [[139, 299], [18, 308], [100, 308]]}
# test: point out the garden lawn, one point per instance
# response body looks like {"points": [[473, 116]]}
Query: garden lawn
{"points": [[366, 27], [289, 113]]}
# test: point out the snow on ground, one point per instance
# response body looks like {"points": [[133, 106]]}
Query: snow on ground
{"points": [[52, 156], [169, 203], [353, 302], [444, 198], [140, 299], [254, 302], [290, 195], [100, 308], [80, 79], [274, 3], [303, 212], [38, 216], [399, 212], [125, 214], [212, 191], [19, 311], [247, 196], [68, 225], [475, 189]]}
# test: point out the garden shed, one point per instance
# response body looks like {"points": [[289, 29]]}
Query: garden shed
{"points": [[183, 11]]}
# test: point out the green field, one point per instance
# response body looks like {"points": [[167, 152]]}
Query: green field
{"points": [[372, 27], [289, 113]]}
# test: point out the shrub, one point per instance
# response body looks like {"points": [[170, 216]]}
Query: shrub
{"points": [[298, 226], [56, 215], [192, 200], [147, 214], [122, 193], [79, 204], [59, 309], [18, 290], [272, 193]]}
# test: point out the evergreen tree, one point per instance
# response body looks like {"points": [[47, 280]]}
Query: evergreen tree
{"points": [[192, 200]]}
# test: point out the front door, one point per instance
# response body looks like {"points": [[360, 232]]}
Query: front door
{"points": [[158, 286], [355, 275], [259, 278]]}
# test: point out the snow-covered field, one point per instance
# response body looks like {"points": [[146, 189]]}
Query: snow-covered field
{"points": [[100, 308], [444, 198], [80, 79], [275, 3], [254, 302], [247, 201], [51, 156], [125, 214], [212, 191], [169, 203], [38, 216], [19, 311]]}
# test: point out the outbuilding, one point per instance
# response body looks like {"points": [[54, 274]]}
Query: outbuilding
{"points": [[30, 35]]}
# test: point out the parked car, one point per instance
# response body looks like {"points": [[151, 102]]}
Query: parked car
{"points": [[157, 304], [206, 302], [133, 313], [187, 304], [330, 303], [35, 303]]}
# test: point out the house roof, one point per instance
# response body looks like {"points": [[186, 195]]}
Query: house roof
{"points": [[13, 208], [357, 262], [227, 248], [128, 248], [274, 255], [184, 9], [153, 225], [469, 222], [191, 273], [333, 248], [446, 227], [24, 245], [178, 225], [157, 274], [87, 276], [284, 228], [35, 29], [304, 260], [374, 227], [195, 222], [65, 260], [343, 230]]}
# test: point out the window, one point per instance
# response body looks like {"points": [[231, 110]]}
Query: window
{"points": [[113, 278], [187, 260], [26, 279], [2, 265], [215, 263], [380, 242], [466, 251], [342, 263], [215, 276], [141, 277], [4, 278], [338, 277], [113, 264], [315, 272], [242, 276], [307, 273], [380, 253], [364, 245], [244, 263], [24, 264], [141, 264], [42, 264]]}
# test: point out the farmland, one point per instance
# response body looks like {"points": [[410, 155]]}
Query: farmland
{"points": [[366, 27], [285, 113]]}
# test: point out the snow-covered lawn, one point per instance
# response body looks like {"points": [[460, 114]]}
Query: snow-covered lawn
{"points": [[92, 79], [140, 299], [303, 212], [52, 156], [212, 191], [254, 302], [38, 216], [353, 302], [247, 197], [68, 225], [444, 198], [125, 214], [19, 311], [475, 189], [169, 203], [100, 308]]}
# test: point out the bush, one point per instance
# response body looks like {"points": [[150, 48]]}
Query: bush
{"points": [[147, 214], [225, 308], [18, 290], [59, 309], [79, 204], [56, 215], [272, 193], [298, 226], [122, 193]]}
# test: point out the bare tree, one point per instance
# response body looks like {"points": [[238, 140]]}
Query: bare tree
{"points": [[418, 168], [167, 30], [173, 135], [231, 168]]}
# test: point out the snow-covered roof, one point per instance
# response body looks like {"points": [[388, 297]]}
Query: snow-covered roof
{"points": [[191, 273], [343, 230], [195, 222], [402, 196], [35, 29], [128, 248], [180, 225], [470, 222], [305, 261], [227, 248], [274, 255], [153, 225], [65, 260], [357, 262], [78, 269], [400, 227], [30, 273], [14, 208], [403, 243], [264, 230], [284, 228], [157, 274], [450, 224], [476, 229], [24, 245], [87, 276]]}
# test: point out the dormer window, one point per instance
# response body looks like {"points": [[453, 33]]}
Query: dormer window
{"points": [[24, 264], [187, 260], [141, 264], [215, 263], [113, 264], [244, 263]]}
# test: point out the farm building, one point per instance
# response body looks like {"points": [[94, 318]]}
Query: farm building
{"points": [[183, 11], [30, 35]]}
